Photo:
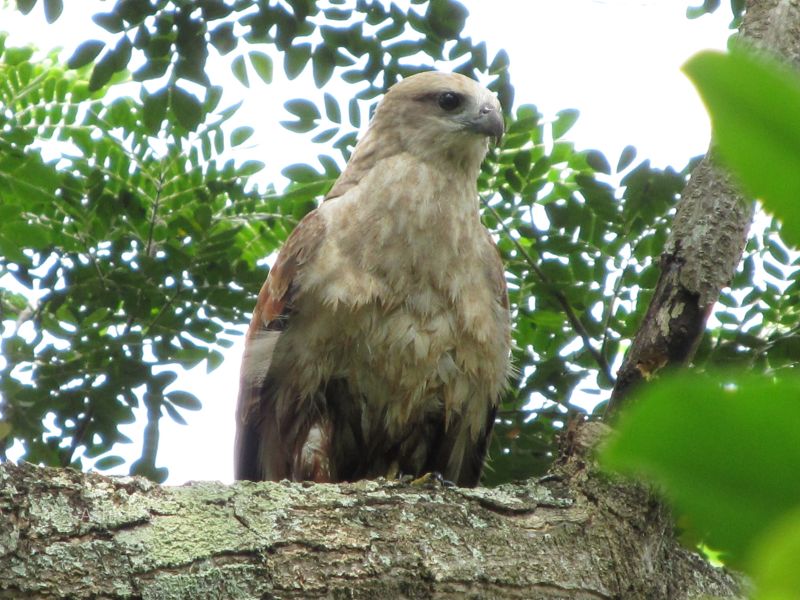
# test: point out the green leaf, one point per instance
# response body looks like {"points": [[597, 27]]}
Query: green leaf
{"points": [[53, 10], [108, 462], [15, 56], [325, 136], [154, 110], [323, 63], [85, 53], [295, 59], [305, 110], [522, 162], [500, 63], [565, 119], [626, 158], [240, 135], [188, 110], [446, 18], [708, 6], [717, 448], [223, 38], [121, 54], [213, 96], [774, 566], [25, 6], [754, 105], [173, 414], [239, 69], [540, 167], [332, 109], [301, 173], [214, 360], [152, 69], [262, 64], [597, 161], [250, 167], [28, 235], [111, 22], [133, 11], [184, 400], [113, 61], [142, 38], [548, 319], [354, 112]]}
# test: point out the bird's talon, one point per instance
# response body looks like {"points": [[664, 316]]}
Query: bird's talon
{"points": [[432, 478]]}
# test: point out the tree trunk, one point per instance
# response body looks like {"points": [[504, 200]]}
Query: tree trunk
{"points": [[574, 534], [700, 257], [708, 235]]}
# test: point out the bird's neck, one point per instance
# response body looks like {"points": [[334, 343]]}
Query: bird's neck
{"points": [[410, 218], [382, 150], [425, 197]]}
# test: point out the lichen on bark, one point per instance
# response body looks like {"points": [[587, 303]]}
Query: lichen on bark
{"points": [[574, 534]]}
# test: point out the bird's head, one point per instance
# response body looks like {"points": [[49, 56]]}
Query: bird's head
{"points": [[443, 119], [441, 116]]}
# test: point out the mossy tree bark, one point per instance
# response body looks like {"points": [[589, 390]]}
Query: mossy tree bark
{"points": [[575, 534]]}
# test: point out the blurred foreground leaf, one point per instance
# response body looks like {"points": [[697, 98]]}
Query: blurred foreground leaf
{"points": [[725, 448], [754, 105]]}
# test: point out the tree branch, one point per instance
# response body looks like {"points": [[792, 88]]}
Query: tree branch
{"points": [[574, 534], [708, 235]]}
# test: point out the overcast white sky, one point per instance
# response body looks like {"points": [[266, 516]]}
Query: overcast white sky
{"points": [[617, 61]]}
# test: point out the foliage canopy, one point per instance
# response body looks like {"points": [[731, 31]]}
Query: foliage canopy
{"points": [[140, 250], [724, 444]]}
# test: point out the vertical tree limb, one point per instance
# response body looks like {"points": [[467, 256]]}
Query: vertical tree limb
{"points": [[708, 235]]}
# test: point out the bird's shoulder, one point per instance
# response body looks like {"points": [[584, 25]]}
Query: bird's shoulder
{"points": [[300, 247]]}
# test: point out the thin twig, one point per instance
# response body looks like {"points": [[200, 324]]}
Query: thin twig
{"points": [[610, 305], [149, 245], [559, 296], [167, 304]]}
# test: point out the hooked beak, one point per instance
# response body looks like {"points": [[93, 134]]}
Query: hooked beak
{"points": [[488, 122]]}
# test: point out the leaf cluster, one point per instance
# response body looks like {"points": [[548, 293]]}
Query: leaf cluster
{"points": [[125, 247], [724, 444], [136, 250], [130, 249], [581, 260]]}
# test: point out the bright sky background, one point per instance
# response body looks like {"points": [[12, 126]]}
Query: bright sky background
{"points": [[617, 61]]}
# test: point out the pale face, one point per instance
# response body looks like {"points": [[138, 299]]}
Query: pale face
{"points": [[442, 114]]}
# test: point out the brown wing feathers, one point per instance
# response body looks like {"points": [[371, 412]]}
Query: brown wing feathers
{"points": [[260, 450]]}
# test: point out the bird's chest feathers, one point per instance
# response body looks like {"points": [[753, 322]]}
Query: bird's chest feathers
{"points": [[402, 290], [405, 232]]}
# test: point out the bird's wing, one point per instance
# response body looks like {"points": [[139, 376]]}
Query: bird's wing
{"points": [[469, 457], [259, 452]]}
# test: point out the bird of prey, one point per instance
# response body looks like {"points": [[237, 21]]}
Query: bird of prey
{"points": [[380, 342]]}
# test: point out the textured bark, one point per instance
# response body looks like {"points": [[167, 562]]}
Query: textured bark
{"points": [[575, 534], [700, 257], [708, 235]]}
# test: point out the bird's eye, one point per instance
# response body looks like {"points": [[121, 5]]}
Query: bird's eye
{"points": [[449, 100]]}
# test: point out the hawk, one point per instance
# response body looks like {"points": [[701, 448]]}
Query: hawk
{"points": [[379, 345]]}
